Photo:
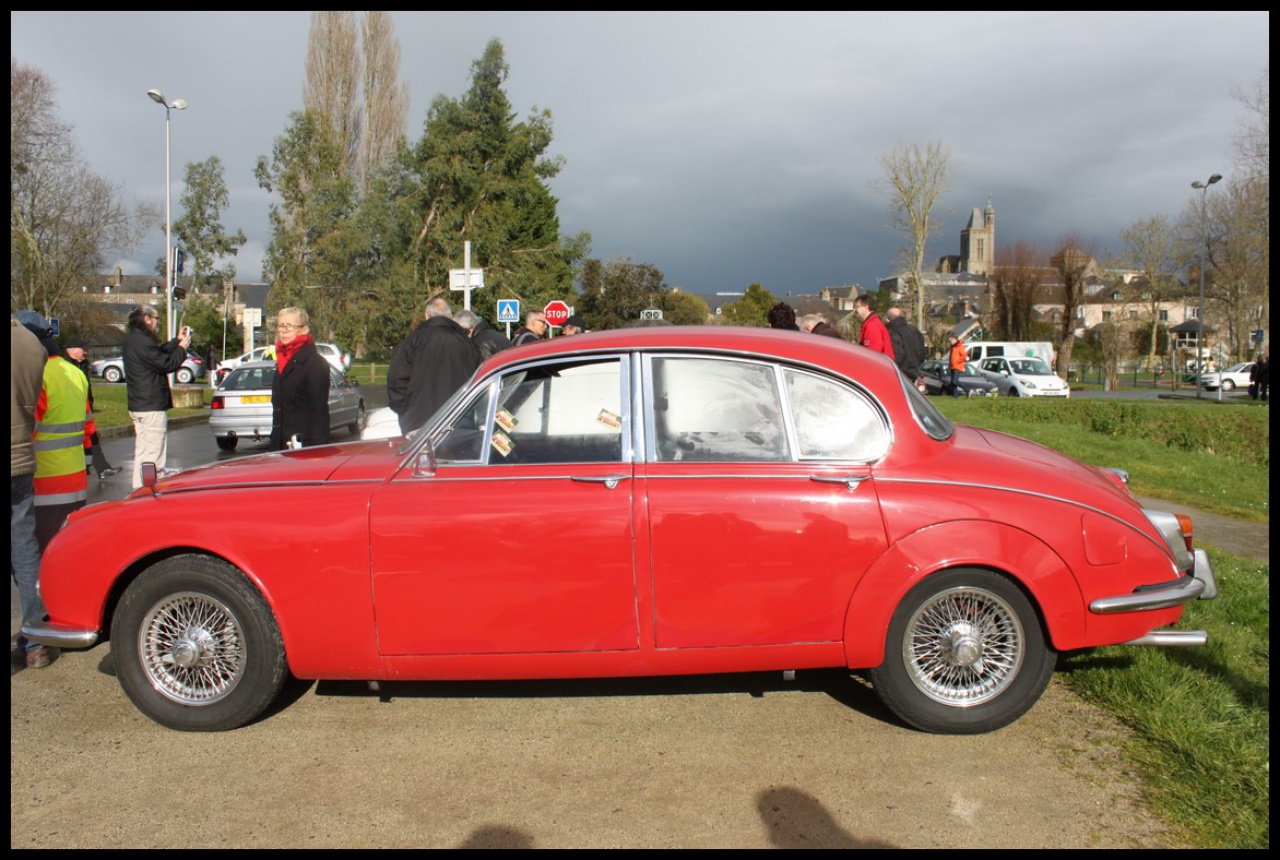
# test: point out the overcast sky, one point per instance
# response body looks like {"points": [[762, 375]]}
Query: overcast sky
{"points": [[723, 148]]}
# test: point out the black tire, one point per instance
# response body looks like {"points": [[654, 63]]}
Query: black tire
{"points": [[965, 654], [196, 647], [226, 443], [113, 374], [362, 420], [1011, 392]]}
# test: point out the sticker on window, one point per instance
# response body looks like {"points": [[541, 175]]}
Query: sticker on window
{"points": [[501, 443], [611, 419], [506, 420]]}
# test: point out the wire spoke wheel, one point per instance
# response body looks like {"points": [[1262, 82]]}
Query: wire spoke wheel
{"points": [[963, 647], [192, 649]]}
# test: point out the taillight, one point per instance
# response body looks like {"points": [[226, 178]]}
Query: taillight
{"points": [[217, 402], [1184, 524]]}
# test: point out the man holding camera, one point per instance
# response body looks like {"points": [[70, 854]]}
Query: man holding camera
{"points": [[147, 365]]}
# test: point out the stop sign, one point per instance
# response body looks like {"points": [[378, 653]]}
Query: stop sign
{"points": [[556, 313]]}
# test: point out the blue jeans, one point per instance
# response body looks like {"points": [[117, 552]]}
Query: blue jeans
{"points": [[24, 555], [955, 382]]}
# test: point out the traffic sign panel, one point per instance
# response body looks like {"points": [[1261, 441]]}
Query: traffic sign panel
{"points": [[508, 310], [556, 312]]}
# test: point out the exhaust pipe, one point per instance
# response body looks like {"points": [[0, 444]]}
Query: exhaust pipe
{"points": [[1172, 638]]}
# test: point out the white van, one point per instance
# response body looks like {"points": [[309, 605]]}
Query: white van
{"points": [[1041, 349]]}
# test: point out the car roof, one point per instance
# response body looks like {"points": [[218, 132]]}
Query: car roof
{"points": [[855, 362]]}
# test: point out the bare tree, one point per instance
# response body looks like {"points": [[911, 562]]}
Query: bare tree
{"points": [[1252, 146], [915, 176], [63, 218], [1016, 278], [1076, 265], [386, 102], [332, 86], [1151, 247]]}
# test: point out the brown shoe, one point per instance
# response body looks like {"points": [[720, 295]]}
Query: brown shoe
{"points": [[38, 658]]}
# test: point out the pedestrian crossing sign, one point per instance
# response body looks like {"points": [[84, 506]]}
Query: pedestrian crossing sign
{"points": [[508, 310]]}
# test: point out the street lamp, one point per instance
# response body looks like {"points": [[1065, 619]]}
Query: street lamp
{"points": [[177, 104], [1203, 188]]}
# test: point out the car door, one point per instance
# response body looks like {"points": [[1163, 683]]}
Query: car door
{"points": [[760, 504], [997, 370], [519, 537]]}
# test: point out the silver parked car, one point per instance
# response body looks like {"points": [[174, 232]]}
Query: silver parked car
{"points": [[112, 369], [241, 407]]}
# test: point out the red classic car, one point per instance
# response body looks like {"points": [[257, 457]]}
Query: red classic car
{"points": [[673, 500]]}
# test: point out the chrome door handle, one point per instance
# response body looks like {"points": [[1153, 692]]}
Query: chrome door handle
{"points": [[609, 481], [850, 481]]}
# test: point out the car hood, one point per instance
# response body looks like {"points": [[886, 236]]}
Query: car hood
{"points": [[1053, 472], [350, 461]]}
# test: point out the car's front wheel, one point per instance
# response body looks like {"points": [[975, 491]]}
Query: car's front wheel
{"points": [[226, 443], [965, 654], [113, 374], [1228, 385], [196, 647]]}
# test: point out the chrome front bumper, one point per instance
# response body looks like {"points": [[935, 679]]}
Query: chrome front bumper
{"points": [[59, 635], [1199, 583]]}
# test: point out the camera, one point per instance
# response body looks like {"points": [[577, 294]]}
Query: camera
{"points": [[185, 331]]}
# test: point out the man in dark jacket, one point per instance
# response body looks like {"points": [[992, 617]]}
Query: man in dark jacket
{"points": [[908, 343], [429, 366], [147, 365], [817, 324], [535, 326], [487, 339]]}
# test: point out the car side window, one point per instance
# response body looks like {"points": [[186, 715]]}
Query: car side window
{"points": [[568, 412], [834, 422], [716, 409]]}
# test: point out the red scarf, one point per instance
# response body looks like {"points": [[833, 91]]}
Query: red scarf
{"points": [[285, 351]]}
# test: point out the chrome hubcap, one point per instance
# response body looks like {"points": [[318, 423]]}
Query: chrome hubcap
{"points": [[192, 649], [963, 647]]}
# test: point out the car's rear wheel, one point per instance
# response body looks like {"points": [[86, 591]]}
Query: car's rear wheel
{"points": [[965, 653], [113, 374], [362, 421], [196, 647], [185, 375], [226, 443]]}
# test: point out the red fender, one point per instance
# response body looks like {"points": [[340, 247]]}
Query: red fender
{"points": [[969, 543]]}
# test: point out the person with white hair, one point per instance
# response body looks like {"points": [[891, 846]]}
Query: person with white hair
{"points": [[429, 366]]}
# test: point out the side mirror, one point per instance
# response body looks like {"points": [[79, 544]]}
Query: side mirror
{"points": [[150, 474]]}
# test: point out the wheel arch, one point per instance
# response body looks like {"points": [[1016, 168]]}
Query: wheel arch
{"points": [[144, 563], [997, 547]]}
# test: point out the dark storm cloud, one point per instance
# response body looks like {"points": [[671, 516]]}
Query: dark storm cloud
{"points": [[725, 149]]}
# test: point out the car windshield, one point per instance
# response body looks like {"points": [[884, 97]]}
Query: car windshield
{"points": [[1030, 367]]}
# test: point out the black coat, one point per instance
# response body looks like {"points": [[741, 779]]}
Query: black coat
{"points": [[147, 365], [300, 400], [427, 368], [908, 346], [488, 340], [826, 328]]}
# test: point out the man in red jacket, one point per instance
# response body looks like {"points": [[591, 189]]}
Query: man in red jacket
{"points": [[875, 334]]}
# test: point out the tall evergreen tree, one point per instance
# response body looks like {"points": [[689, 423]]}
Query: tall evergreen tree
{"points": [[481, 178]]}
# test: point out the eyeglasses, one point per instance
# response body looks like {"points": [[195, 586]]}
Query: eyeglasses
{"points": [[288, 327]]}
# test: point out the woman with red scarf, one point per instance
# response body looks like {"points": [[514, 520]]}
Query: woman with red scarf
{"points": [[300, 390]]}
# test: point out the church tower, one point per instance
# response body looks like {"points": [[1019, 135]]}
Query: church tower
{"points": [[978, 242]]}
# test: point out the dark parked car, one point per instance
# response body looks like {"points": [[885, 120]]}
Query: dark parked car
{"points": [[937, 380]]}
